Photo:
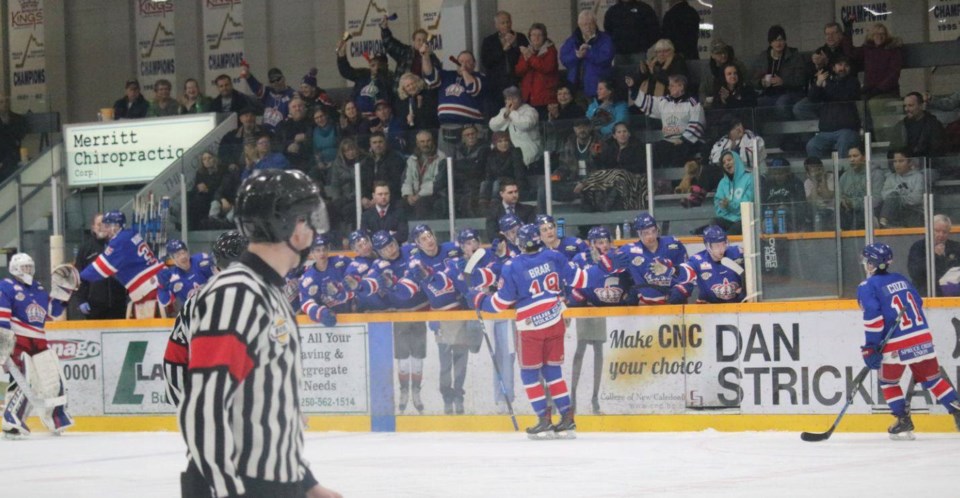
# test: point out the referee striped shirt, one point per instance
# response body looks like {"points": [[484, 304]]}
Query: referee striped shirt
{"points": [[240, 414], [177, 354]]}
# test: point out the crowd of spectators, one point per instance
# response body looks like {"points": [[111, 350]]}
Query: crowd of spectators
{"points": [[593, 100]]}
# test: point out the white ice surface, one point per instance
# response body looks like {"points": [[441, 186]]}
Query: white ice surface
{"points": [[418, 465]]}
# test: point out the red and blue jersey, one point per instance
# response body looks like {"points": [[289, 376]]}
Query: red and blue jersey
{"points": [[24, 309], [534, 283], [571, 247], [458, 102], [358, 270], [325, 287], [654, 273], [130, 260], [716, 282], [177, 283], [608, 289], [403, 295], [882, 297]]}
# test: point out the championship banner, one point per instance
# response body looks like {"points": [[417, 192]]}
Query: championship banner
{"points": [[155, 44], [130, 150], [865, 13], [430, 17], [363, 29], [28, 63], [944, 20], [222, 41]]}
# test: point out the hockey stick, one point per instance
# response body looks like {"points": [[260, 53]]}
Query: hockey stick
{"points": [[496, 368], [857, 381]]}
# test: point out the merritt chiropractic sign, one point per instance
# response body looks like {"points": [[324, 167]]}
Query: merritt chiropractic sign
{"points": [[129, 151]]}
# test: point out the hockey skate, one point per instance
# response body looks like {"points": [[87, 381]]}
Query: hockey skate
{"points": [[902, 429], [567, 428], [404, 398], [543, 429], [14, 416], [417, 403], [13, 427]]}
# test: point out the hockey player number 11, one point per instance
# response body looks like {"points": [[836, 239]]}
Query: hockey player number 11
{"points": [[551, 281], [905, 321]]}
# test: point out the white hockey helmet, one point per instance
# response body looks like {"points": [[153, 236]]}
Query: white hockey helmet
{"points": [[21, 267]]}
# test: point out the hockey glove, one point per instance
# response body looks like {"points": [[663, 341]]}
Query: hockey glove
{"points": [[676, 296], [872, 358], [322, 314], [351, 281], [622, 260], [386, 279], [419, 272], [84, 308]]}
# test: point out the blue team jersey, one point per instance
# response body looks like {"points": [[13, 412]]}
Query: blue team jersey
{"points": [[716, 282], [608, 290], [445, 252], [654, 273], [534, 282], [405, 295], [571, 247], [130, 260], [882, 297], [176, 283], [291, 289], [24, 308], [325, 287], [358, 269]]}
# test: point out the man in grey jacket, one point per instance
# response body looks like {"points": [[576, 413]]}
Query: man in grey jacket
{"points": [[419, 188]]}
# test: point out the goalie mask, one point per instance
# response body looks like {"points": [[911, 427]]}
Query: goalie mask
{"points": [[21, 267]]}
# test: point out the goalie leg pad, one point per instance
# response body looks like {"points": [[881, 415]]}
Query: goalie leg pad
{"points": [[45, 377], [16, 412]]}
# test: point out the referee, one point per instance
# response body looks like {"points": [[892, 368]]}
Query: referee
{"points": [[240, 413]]}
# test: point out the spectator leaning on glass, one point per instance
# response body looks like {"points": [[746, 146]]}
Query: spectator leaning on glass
{"points": [[819, 189], [946, 260], [735, 187]]}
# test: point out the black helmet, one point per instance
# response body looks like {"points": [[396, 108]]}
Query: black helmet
{"points": [[228, 248], [271, 201]]}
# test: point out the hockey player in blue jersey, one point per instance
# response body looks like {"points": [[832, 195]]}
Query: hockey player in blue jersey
{"points": [[608, 291], [566, 245], [882, 296], [505, 246], [717, 271], [654, 263], [443, 284], [130, 260], [534, 283], [25, 307], [187, 274], [388, 278], [322, 293], [226, 249], [358, 268]]}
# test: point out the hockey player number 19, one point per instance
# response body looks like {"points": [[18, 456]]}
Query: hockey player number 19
{"points": [[551, 281], [905, 322]]}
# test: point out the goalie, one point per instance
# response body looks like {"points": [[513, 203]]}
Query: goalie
{"points": [[25, 306]]}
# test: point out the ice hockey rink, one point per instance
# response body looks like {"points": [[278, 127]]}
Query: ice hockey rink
{"points": [[710, 463]]}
